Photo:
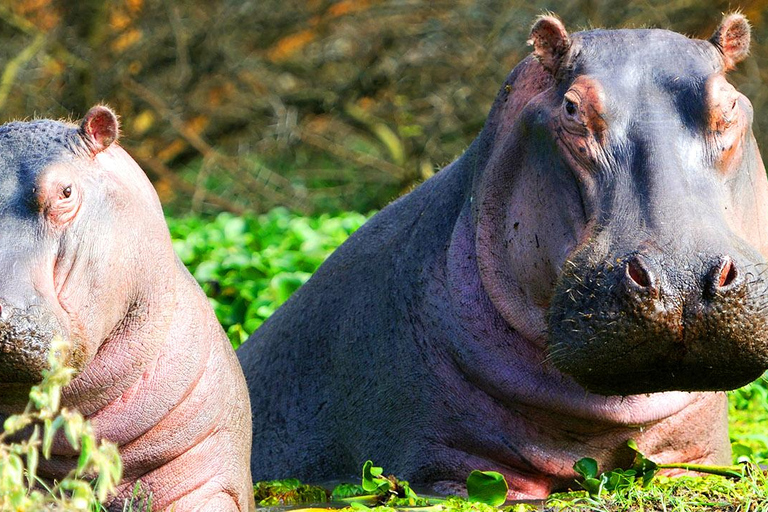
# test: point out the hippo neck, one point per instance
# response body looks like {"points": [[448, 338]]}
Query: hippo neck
{"points": [[514, 370], [132, 345]]}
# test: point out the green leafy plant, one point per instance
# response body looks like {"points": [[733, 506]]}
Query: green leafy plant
{"points": [[643, 471], [250, 265], [98, 468], [385, 488], [487, 487]]}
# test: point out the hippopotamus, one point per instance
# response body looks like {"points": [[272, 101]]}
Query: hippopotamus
{"points": [[87, 258], [591, 270]]}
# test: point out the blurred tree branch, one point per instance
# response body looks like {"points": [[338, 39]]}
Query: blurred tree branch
{"points": [[12, 68]]}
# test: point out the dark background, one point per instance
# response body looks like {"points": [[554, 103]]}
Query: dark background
{"points": [[314, 105]]}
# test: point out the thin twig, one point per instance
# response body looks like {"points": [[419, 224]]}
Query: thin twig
{"points": [[265, 182], [391, 172], [160, 170]]}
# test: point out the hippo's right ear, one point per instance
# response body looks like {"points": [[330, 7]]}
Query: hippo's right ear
{"points": [[550, 42], [99, 128]]}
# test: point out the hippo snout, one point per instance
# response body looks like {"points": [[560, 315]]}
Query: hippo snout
{"points": [[642, 277], [648, 322], [25, 339]]}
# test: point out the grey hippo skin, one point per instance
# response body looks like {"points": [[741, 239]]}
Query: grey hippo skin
{"points": [[590, 270], [86, 255]]}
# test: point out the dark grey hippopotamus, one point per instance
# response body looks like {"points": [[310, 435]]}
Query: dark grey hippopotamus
{"points": [[589, 271], [86, 255]]}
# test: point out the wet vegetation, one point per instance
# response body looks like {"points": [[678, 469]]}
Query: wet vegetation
{"points": [[743, 487]]}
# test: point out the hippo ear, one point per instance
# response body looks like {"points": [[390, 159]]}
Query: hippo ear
{"points": [[99, 128], [732, 39], [550, 42]]}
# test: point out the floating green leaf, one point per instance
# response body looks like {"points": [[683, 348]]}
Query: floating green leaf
{"points": [[487, 487]]}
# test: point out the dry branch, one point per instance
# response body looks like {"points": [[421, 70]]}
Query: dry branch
{"points": [[265, 182], [160, 170]]}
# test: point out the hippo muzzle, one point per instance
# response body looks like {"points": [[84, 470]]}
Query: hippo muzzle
{"points": [[25, 339], [648, 321]]}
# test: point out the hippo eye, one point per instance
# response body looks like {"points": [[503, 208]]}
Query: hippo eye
{"points": [[67, 191], [570, 107]]}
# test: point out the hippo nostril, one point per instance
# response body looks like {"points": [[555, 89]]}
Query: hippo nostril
{"points": [[637, 273], [726, 274]]}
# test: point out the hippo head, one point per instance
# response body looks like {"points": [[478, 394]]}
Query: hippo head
{"points": [[71, 247], [631, 236]]}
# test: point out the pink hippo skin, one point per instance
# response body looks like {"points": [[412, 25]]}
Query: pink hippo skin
{"points": [[87, 256], [592, 269]]}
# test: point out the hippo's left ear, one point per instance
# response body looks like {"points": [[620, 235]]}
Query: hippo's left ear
{"points": [[732, 39], [550, 42], [99, 128]]}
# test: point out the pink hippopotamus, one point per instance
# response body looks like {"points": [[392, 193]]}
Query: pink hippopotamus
{"points": [[86, 256]]}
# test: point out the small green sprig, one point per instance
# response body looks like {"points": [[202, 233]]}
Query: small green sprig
{"points": [[98, 468]]}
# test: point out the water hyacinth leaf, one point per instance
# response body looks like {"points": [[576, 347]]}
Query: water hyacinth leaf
{"points": [[487, 487], [644, 467], [586, 467], [408, 492], [593, 486], [372, 479], [619, 479]]}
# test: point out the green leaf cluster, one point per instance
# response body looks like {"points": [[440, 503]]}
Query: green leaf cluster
{"points": [[250, 265], [98, 468]]}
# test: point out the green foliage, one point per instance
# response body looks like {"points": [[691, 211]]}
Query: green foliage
{"points": [[642, 473], [345, 490], [20, 489], [372, 479], [248, 266], [387, 489], [287, 492], [487, 487], [749, 410]]}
